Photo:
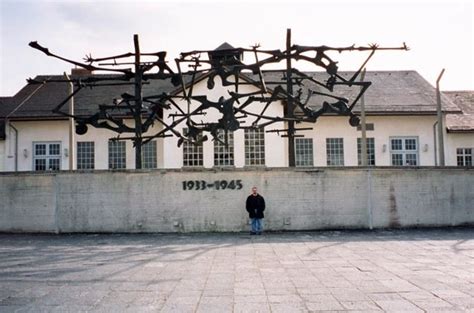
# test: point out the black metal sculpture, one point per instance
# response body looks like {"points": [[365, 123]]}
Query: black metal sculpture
{"points": [[227, 64]]}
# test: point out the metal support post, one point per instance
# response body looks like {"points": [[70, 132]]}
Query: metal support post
{"points": [[289, 102], [440, 121], [138, 105]]}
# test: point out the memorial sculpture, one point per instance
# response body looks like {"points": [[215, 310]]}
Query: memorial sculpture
{"points": [[287, 84]]}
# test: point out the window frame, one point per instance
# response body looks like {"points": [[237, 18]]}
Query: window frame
{"points": [[47, 156], [193, 155], [90, 158], [222, 157], [464, 155], [330, 144], [117, 154], [254, 144], [403, 151], [301, 150], [150, 155], [370, 151]]}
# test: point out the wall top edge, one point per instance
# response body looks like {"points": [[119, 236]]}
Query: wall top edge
{"points": [[245, 170]]}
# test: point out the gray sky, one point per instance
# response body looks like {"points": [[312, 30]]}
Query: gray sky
{"points": [[439, 32]]}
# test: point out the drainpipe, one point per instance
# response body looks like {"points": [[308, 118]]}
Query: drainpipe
{"points": [[440, 121], [72, 138], [435, 148], [16, 143]]}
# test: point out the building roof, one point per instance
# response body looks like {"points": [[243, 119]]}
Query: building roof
{"points": [[391, 92], [6, 106], [38, 100], [224, 46], [461, 122]]}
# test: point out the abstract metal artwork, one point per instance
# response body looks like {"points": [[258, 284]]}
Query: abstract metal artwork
{"points": [[294, 88]]}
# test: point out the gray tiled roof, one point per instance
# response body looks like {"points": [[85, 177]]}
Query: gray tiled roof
{"points": [[392, 92], [224, 46], [463, 122], [38, 101], [6, 106]]}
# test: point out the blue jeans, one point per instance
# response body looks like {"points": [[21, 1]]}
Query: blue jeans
{"points": [[257, 225]]}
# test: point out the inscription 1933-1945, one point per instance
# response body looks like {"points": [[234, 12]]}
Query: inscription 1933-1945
{"points": [[217, 185]]}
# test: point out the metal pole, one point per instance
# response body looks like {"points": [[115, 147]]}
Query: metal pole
{"points": [[434, 144], [289, 102], [363, 144], [363, 155], [72, 139], [440, 121], [138, 105]]}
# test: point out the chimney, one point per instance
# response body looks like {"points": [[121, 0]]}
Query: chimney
{"points": [[81, 72], [225, 54]]}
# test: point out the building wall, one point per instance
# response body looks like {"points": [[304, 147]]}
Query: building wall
{"points": [[454, 141], [165, 201], [385, 127], [30, 132], [35, 131], [2, 155], [275, 152], [101, 137], [171, 156]]}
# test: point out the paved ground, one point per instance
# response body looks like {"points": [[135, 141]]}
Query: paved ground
{"points": [[406, 271]]}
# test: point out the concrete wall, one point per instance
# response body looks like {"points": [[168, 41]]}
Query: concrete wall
{"points": [[2, 155], [155, 201]]}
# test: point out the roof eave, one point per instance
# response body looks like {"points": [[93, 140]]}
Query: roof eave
{"points": [[460, 131]]}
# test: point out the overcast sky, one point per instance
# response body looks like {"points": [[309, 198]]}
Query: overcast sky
{"points": [[439, 33]]}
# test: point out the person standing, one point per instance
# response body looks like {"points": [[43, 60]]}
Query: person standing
{"points": [[255, 206]]}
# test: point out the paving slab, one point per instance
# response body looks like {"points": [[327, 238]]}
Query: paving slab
{"points": [[406, 270]]}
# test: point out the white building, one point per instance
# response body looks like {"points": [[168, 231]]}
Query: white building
{"points": [[401, 117], [460, 129]]}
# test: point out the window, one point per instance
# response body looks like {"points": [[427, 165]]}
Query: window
{"points": [[47, 156], [85, 155], [404, 151], [192, 153], [304, 151], [370, 151], [335, 151], [224, 155], [149, 155], [368, 127], [254, 147], [117, 155], [464, 156]]}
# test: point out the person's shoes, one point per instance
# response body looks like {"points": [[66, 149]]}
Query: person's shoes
{"points": [[253, 233], [259, 233]]}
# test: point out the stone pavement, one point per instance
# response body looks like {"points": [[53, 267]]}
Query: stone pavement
{"points": [[418, 270]]}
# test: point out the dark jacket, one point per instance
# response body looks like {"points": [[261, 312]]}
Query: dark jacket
{"points": [[255, 205]]}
